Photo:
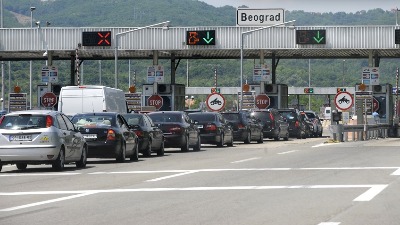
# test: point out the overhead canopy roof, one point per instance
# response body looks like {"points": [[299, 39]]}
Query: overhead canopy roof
{"points": [[144, 43]]}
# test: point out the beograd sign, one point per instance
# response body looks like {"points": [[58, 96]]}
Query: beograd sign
{"points": [[259, 17]]}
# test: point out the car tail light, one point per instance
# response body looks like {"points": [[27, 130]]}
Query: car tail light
{"points": [[175, 130], [211, 127], [49, 121], [1, 119], [297, 124], [241, 126], [139, 133], [111, 135], [272, 120]]}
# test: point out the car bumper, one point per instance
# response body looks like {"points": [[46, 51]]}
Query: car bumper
{"points": [[27, 154], [210, 138], [174, 141], [239, 135], [103, 149], [270, 133]]}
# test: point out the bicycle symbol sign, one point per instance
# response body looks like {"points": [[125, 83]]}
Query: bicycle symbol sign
{"points": [[343, 100], [215, 102]]}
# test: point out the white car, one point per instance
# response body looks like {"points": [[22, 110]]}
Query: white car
{"points": [[40, 137]]}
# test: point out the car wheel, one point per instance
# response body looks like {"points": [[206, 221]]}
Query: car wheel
{"points": [[230, 144], [121, 155], [147, 151], [197, 147], [60, 161], [221, 141], [286, 138], [135, 156], [248, 138], [82, 162], [21, 166], [185, 147], [261, 139], [278, 137], [160, 151], [1, 167]]}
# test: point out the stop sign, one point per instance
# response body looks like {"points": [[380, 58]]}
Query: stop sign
{"points": [[156, 101], [262, 101], [49, 99], [375, 104]]}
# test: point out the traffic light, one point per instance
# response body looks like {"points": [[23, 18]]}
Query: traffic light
{"points": [[215, 90], [309, 90], [338, 90], [271, 88]]}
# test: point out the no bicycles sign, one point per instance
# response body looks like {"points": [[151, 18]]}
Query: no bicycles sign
{"points": [[344, 100], [215, 102]]}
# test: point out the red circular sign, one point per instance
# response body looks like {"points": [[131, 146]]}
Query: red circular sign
{"points": [[375, 104], [262, 101], [156, 101], [49, 99]]}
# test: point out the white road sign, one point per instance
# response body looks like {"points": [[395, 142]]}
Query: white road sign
{"points": [[344, 100], [259, 17], [215, 102]]}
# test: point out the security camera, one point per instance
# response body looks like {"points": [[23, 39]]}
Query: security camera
{"points": [[1, 99], [45, 53], [37, 23], [192, 97], [33, 8]]}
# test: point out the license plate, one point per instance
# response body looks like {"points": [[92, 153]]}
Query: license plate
{"points": [[21, 138], [199, 126], [90, 136]]}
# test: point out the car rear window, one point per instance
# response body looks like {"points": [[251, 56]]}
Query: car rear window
{"points": [[263, 116], [311, 115], [92, 120], [23, 121], [134, 119], [289, 115], [164, 117], [231, 116], [202, 117]]}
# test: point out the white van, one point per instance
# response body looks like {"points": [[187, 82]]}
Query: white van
{"points": [[327, 113], [91, 98]]}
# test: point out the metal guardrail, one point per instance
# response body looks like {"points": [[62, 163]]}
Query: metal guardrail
{"points": [[361, 132]]}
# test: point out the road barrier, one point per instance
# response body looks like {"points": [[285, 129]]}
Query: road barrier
{"points": [[360, 132]]}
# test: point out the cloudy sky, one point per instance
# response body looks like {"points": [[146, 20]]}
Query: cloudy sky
{"points": [[311, 5]]}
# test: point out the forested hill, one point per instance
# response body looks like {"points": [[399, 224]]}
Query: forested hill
{"points": [[132, 13]]}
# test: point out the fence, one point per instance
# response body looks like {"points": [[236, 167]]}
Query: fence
{"points": [[360, 132]]}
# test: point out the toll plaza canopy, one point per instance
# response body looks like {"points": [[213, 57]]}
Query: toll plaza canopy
{"points": [[208, 42]]}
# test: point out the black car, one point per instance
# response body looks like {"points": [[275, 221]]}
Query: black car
{"points": [[245, 128], [318, 128], [179, 131], [214, 129], [274, 124], [309, 123], [151, 137], [107, 135], [297, 125]]}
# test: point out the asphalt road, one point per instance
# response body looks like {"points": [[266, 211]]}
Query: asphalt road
{"points": [[297, 182]]}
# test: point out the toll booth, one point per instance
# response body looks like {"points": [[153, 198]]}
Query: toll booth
{"points": [[173, 95], [381, 101]]}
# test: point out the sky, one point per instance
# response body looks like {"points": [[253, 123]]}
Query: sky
{"points": [[311, 5]]}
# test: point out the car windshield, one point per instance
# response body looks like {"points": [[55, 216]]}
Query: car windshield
{"points": [[231, 116], [311, 115], [202, 117], [23, 121], [165, 117], [92, 120], [134, 119], [263, 116]]}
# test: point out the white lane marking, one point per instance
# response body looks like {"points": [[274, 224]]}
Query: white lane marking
{"points": [[371, 193], [171, 176], [144, 172], [282, 153], [323, 144], [245, 160], [38, 174], [329, 223], [368, 195], [396, 173], [47, 202]]}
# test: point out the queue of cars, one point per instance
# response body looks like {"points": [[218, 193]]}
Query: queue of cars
{"points": [[51, 137]]}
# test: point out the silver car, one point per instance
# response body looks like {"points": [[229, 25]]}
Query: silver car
{"points": [[40, 137]]}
